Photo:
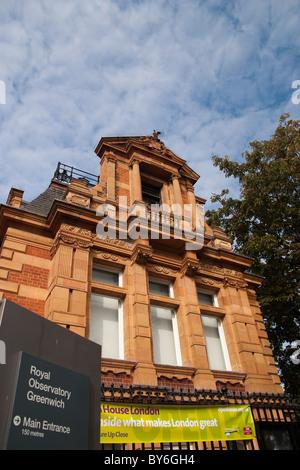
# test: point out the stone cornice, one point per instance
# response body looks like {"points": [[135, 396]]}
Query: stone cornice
{"points": [[141, 254], [219, 255], [230, 376], [19, 216], [81, 232], [117, 366], [175, 372]]}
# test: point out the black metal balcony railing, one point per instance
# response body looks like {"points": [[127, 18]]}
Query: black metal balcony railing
{"points": [[66, 173]]}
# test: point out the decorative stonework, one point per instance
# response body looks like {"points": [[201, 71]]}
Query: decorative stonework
{"points": [[155, 144], [161, 269], [116, 366], [79, 200], [179, 373], [164, 270], [76, 230], [233, 381], [219, 270], [209, 282], [72, 235], [237, 283], [113, 241], [220, 239], [190, 268], [141, 255], [75, 241], [110, 257]]}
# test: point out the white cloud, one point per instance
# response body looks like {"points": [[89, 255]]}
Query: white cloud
{"points": [[210, 75]]}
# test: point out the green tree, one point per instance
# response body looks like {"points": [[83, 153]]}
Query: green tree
{"points": [[264, 224]]}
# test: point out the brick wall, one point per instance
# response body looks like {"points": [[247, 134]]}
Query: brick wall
{"points": [[30, 276], [238, 388], [109, 378], [122, 183], [122, 175], [40, 252], [177, 384], [24, 274], [34, 305]]}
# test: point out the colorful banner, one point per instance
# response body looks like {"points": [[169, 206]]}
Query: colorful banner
{"points": [[132, 423]]}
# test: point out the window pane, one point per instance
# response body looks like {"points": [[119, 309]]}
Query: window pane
{"points": [[106, 277], [151, 194], [206, 299], [163, 336], [213, 343], [104, 324], [276, 438], [159, 288]]}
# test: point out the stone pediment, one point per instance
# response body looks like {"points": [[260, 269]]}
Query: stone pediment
{"points": [[149, 143], [154, 144]]}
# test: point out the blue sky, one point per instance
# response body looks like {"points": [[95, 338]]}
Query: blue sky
{"points": [[212, 76]]}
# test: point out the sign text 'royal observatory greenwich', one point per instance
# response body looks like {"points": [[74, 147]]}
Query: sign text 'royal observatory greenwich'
{"points": [[50, 408]]}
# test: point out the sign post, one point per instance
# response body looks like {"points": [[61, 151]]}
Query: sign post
{"points": [[50, 409], [49, 385]]}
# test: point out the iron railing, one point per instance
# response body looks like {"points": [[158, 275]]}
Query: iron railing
{"points": [[276, 416], [66, 173]]}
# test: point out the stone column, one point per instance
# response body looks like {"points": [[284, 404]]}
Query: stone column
{"points": [[144, 372], [164, 194], [68, 280], [176, 190], [111, 177], [193, 349], [245, 349], [192, 201], [195, 354], [136, 182], [177, 203]]}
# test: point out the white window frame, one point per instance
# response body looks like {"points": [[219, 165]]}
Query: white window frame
{"points": [[103, 267], [207, 292], [165, 282], [173, 316], [222, 340], [175, 336], [224, 344], [109, 269], [121, 329], [120, 324]]}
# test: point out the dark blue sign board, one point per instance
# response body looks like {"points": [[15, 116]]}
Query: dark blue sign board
{"points": [[50, 384], [50, 407]]}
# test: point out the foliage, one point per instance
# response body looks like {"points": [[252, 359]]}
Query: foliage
{"points": [[264, 224]]}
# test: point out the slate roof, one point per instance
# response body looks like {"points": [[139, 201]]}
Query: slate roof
{"points": [[42, 204]]}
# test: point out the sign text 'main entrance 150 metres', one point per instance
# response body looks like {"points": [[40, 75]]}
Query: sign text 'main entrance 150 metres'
{"points": [[50, 408]]}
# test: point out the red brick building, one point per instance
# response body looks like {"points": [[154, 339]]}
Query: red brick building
{"points": [[164, 314]]}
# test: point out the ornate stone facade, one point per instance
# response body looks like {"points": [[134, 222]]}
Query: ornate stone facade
{"points": [[47, 259]]}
